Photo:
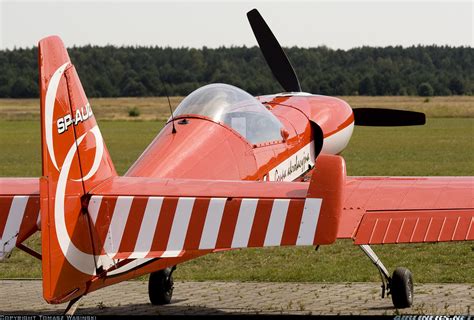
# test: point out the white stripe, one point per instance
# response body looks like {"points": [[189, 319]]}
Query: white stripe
{"points": [[148, 227], [128, 266], [117, 225], [49, 101], [276, 225], [38, 221], [94, 206], [338, 141], [80, 260], [171, 254], [12, 227], [180, 224], [99, 151], [244, 223], [309, 221], [212, 223]]}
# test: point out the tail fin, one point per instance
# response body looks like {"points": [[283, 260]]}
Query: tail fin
{"points": [[75, 160]]}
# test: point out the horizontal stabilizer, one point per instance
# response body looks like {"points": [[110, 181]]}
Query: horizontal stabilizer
{"points": [[19, 212], [143, 218]]}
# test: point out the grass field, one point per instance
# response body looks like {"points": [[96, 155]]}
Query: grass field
{"points": [[157, 108], [445, 146]]}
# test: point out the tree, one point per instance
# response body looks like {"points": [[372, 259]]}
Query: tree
{"points": [[138, 71], [103, 87], [425, 90], [456, 86], [366, 87], [133, 88], [24, 88]]}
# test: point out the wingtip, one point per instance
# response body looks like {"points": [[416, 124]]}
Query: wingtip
{"points": [[422, 119]]}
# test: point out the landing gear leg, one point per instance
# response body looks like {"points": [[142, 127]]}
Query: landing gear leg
{"points": [[386, 280], [72, 306], [399, 286], [160, 286]]}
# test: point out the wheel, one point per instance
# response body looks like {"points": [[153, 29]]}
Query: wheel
{"points": [[402, 288], [160, 286]]}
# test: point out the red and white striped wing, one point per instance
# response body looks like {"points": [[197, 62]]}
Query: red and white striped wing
{"points": [[144, 227], [19, 212]]}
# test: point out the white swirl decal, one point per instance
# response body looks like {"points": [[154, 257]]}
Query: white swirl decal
{"points": [[80, 260], [51, 93], [99, 151]]}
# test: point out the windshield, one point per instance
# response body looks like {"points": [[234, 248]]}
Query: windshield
{"points": [[235, 108]]}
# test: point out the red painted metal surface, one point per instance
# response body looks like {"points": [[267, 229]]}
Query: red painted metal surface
{"points": [[19, 186], [126, 186], [440, 196], [199, 149], [415, 226], [330, 113], [203, 149]]}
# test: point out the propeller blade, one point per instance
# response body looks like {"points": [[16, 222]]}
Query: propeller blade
{"points": [[273, 53], [377, 117]]}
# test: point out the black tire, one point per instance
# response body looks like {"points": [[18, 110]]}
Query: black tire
{"points": [[160, 287], [402, 288]]}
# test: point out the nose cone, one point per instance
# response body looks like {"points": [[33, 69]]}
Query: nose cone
{"points": [[336, 119], [200, 149]]}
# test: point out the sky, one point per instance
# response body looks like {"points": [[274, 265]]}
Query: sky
{"points": [[193, 23]]}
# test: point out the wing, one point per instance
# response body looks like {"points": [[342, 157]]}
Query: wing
{"points": [[19, 212], [379, 210]]}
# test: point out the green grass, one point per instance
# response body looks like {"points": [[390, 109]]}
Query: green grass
{"points": [[21, 149], [442, 147]]}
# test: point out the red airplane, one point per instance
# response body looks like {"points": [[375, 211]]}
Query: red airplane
{"points": [[227, 171]]}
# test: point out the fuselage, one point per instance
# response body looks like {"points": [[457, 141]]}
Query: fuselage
{"points": [[203, 148]]}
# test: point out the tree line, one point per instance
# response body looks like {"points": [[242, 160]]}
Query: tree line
{"points": [[111, 71]]}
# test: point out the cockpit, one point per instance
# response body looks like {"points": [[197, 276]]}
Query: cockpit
{"points": [[235, 108]]}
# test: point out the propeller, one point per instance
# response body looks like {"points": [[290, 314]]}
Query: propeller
{"points": [[379, 117], [273, 53], [286, 76]]}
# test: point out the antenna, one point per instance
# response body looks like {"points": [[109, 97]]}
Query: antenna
{"points": [[171, 109]]}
